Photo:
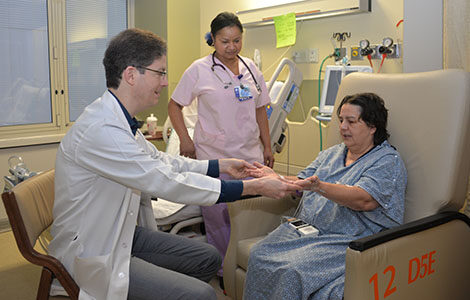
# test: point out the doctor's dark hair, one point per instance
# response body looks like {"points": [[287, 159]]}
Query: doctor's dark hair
{"points": [[132, 47], [222, 20], [373, 113]]}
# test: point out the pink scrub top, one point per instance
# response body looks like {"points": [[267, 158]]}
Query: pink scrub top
{"points": [[226, 126]]}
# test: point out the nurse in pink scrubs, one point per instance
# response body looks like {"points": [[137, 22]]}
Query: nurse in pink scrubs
{"points": [[232, 121]]}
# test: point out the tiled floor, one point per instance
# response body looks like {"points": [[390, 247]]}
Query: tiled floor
{"points": [[19, 278]]}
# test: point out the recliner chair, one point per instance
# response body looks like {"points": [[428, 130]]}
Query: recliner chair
{"points": [[427, 257]]}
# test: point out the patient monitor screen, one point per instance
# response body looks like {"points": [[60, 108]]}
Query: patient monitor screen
{"points": [[333, 76], [333, 85]]}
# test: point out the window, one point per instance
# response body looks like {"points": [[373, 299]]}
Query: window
{"points": [[52, 63], [90, 25], [25, 86]]}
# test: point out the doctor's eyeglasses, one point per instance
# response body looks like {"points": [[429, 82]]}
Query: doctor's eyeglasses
{"points": [[161, 73]]}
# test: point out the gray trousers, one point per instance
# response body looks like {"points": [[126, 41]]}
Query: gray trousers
{"points": [[168, 266]]}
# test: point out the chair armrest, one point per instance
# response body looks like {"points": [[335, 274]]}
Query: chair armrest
{"points": [[250, 218], [424, 259]]}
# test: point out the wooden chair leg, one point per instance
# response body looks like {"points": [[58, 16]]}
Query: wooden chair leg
{"points": [[44, 284]]}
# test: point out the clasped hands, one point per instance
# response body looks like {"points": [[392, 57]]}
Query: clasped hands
{"points": [[310, 183], [266, 181]]}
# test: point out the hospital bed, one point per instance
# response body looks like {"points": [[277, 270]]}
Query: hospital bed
{"points": [[173, 217], [427, 257]]}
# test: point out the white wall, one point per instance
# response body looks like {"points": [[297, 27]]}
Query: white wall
{"points": [[422, 36]]}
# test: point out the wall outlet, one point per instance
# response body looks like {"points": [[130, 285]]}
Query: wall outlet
{"points": [[305, 56], [313, 55]]}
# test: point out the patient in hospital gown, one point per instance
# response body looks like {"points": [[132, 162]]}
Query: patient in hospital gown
{"points": [[358, 189]]}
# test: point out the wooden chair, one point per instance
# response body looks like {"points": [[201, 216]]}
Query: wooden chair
{"points": [[29, 209]]}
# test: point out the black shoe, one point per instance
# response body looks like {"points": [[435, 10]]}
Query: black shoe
{"points": [[221, 284]]}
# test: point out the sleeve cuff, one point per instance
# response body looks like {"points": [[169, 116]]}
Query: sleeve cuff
{"points": [[213, 169], [230, 190]]}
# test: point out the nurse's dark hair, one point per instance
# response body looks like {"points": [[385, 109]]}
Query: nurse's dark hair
{"points": [[373, 113], [132, 47], [222, 20]]}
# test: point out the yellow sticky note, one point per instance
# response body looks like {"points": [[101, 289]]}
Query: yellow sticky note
{"points": [[285, 30]]}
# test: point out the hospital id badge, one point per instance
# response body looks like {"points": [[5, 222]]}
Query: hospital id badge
{"points": [[242, 93]]}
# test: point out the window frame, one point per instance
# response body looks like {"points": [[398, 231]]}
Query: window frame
{"points": [[53, 132]]}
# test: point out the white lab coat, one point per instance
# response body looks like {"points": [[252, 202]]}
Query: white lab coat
{"points": [[104, 176]]}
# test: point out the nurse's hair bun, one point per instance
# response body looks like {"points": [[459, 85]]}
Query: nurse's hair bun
{"points": [[208, 38]]}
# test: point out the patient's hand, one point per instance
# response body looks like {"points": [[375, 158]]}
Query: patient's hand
{"points": [[312, 183], [308, 183]]}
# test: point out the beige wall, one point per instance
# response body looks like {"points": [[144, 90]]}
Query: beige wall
{"points": [[315, 33], [36, 158], [177, 22], [184, 22], [183, 37], [152, 15]]}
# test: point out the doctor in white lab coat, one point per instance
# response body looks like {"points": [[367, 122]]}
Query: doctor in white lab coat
{"points": [[104, 230]]}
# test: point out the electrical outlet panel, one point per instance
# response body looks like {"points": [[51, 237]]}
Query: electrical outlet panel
{"points": [[313, 55], [305, 56]]}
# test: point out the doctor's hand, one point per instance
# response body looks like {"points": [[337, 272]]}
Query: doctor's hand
{"points": [[261, 171], [187, 148], [270, 186], [236, 168]]}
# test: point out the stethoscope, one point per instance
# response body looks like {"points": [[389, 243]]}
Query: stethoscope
{"points": [[227, 84]]}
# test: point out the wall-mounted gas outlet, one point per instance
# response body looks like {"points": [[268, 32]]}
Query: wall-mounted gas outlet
{"points": [[340, 53], [356, 52], [396, 51], [305, 56], [375, 54]]}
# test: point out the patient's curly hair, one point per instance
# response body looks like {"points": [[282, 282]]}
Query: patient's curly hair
{"points": [[373, 113]]}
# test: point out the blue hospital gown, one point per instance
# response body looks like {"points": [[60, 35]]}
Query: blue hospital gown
{"points": [[285, 265]]}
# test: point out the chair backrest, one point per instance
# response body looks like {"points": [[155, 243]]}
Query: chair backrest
{"points": [[35, 200], [29, 208], [429, 124]]}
